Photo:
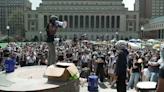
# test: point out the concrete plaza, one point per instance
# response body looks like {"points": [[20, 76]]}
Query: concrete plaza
{"points": [[105, 87]]}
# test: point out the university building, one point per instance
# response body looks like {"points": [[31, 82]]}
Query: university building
{"points": [[149, 8], [155, 29], [106, 18]]}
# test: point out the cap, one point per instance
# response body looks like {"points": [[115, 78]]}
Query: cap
{"points": [[53, 17]]}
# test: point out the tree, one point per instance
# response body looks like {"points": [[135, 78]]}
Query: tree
{"points": [[1, 35], [143, 21], [35, 39], [17, 20]]}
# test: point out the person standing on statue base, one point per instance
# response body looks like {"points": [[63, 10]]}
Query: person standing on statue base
{"points": [[51, 30]]}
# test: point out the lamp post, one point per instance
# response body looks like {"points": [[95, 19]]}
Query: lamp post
{"points": [[116, 35], [142, 28], [106, 37], [40, 35], [8, 28]]}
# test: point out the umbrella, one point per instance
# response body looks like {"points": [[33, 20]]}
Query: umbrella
{"points": [[156, 42], [133, 46], [157, 46], [139, 40], [113, 41], [104, 42], [151, 40], [86, 41], [132, 40]]}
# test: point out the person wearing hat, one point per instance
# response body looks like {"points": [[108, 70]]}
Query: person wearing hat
{"points": [[121, 65], [51, 30]]}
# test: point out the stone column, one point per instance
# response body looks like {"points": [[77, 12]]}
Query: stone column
{"points": [[105, 22], [79, 22], [73, 22], [68, 22], [94, 22], [110, 25], [89, 22], [84, 22], [100, 22], [115, 24]]}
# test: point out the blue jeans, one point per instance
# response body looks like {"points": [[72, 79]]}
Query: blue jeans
{"points": [[154, 77], [134, 77]]}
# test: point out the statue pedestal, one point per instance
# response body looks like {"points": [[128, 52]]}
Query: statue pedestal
{"points": [[31, 79]]}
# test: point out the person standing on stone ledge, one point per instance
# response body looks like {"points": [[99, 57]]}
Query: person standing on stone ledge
{"points": [[51, 30]]}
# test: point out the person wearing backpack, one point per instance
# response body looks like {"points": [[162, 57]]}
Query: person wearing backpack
{"points": [[51, 30]]}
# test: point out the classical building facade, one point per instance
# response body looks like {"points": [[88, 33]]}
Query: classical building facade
{"points": [[155, 29], [93, 17]]}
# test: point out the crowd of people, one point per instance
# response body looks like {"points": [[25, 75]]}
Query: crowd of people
{"points": [[142, 65]]}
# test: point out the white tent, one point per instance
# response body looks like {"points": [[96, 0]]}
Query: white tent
{"points": [[133, 46]]}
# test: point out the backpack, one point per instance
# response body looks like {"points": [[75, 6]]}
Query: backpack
{"points": [[85, 73]]}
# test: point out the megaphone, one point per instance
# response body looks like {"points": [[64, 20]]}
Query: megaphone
{"points": [[62, 24]]}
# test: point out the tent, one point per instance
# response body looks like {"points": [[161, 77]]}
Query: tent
{"points": [[133, 46]]}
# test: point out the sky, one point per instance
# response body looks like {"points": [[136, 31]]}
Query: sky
{"points": [[128, 3]]}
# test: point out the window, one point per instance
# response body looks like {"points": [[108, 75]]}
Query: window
{"points": [[130, 29], [157, 10], [157, 7], [157, 13], [161, 10], [153, 7], [130, 23], [32, 28], [161, 13], [32, 23], [157, 4], [153, 4], [153, 10], [153, 13]]}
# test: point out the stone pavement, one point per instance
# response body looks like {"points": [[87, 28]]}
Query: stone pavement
{"points": [[105, 87]]}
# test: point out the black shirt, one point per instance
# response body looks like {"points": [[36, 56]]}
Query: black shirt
{"points": [[60, 58], [102, 58], [50, 38], [145, 64], [137, 70], [69, 55]]}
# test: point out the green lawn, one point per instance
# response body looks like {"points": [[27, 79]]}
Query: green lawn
{"points": [[5, 44]]}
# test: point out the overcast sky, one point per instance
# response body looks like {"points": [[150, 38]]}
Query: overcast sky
{"points": [[128, 3]]}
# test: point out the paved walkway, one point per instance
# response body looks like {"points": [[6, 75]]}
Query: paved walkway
{"points": [[102, 88]]}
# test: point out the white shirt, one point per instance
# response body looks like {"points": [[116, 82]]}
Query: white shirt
{"points": [[85, 59], [30, 59], [75, 56], [113, 61], [161, 62]]}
